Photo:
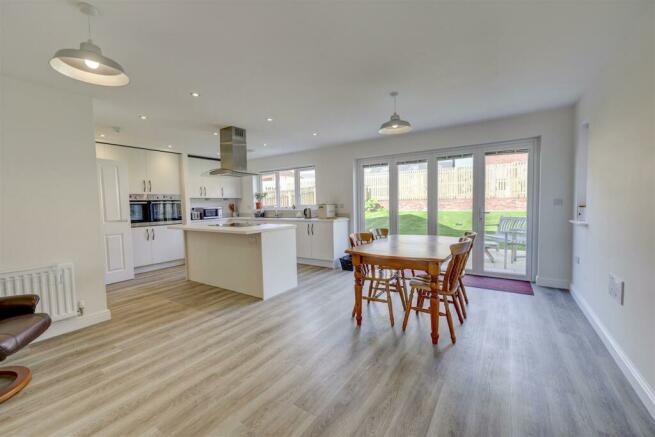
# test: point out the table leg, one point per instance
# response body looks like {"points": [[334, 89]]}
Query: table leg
{"points": [[433, 270], [357, 265]]}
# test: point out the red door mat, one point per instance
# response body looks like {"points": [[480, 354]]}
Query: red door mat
{"points": [[508, 285]]}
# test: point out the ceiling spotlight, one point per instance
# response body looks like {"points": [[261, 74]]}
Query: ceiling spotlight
{"points": [[102, 135], [143, 117], [315, 134], [215, 134], [194, 94], [395, 125], [88, 64], [269, 119], [265, 144], [170, 146]]}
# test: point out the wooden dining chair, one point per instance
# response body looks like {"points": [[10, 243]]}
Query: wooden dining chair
{"points": [[380, 280], [446, 292], [380, 232], [470, 235]]}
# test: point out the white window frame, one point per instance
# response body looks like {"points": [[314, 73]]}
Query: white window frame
{"points": [[477, 151], [296, 175]]}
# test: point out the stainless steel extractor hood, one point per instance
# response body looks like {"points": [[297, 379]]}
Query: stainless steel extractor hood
{"points": [[234, 153]]}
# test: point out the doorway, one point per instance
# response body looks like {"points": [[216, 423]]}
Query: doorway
{"points": [[489, 189]]}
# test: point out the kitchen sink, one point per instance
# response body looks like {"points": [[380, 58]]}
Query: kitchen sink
{"points": [[236, 225]]}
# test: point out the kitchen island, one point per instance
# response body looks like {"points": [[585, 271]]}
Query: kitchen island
{"points": [[252, 258]]}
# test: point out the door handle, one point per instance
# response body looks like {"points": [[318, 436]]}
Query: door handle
{"points": [[200, 191], [144, 185], [147, 235], [150, 186], [307, 228], [222, 195], [153, 234], [312, 228]]}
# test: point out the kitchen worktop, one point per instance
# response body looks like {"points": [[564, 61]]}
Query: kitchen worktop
{"points": [[245, 230], [280, 219]]}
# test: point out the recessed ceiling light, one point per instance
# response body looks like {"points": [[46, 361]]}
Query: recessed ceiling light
{"points": [[265, 144], [315, 134], [102, 135], [143, 117], [215, 134], [194, 94], [170, 146], [218, 153], [269, 119]]}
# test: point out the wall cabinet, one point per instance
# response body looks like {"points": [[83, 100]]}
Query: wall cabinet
{"points": [[156, 244], [149, 171], [203, 185]]}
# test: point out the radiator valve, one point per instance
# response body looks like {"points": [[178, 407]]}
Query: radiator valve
{"points": [[80, 308]]}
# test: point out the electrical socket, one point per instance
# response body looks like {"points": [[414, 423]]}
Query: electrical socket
{"points": [[616, 288]]}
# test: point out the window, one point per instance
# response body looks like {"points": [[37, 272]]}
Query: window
{"points": [[269, 186], [290, 188]]}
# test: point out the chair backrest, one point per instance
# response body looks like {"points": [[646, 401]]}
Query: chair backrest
{"points": [[512, 224], [359, 238], [471, 236], [458, 256], [380, 232]]}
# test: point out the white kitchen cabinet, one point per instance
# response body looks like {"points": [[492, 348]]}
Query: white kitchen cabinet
{"points": [[204, 185], [167, 244], [149, 171], [141, 246], [163, 172], [156, 244], [303, 240], [230, 187], [322, 240], [319, 242]]}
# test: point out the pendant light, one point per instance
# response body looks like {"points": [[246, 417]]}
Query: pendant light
{"points": [[88, 64], [395, 125]]}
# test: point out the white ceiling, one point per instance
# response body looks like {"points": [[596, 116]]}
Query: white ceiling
{"points": [[321, 66]]}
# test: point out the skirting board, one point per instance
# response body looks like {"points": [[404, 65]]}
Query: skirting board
{"points": [[317, 263], [152, 267], [552, 283], [75, 323], [637, 381]]}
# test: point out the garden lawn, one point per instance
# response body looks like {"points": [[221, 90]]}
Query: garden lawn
{"points": [[451, 223]]}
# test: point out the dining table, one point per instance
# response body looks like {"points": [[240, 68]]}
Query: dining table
{"points": [[425, 253]]}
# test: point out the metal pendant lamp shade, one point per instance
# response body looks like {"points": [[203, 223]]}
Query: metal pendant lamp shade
{"points": [[88, 64], [395, 125]]}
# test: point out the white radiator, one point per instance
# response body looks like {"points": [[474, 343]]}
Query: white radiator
{"points": [[54, 284]]}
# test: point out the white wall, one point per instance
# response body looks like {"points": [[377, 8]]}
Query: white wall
{"points": [[335, 172], [49, 204], [619, 106]]}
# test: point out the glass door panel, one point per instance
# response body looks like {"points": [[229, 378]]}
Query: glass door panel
{"points": [[413, 198], [376, 196], [455, 197], [506, 213]]}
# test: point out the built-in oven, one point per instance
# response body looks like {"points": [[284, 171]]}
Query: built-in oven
{"points": [[165, 208], [139, 211]]}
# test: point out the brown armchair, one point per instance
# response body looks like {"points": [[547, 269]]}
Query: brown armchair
{"points": [[19, 325]]}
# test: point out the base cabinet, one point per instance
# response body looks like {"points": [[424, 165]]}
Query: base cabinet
{"points": [[320, 243], [156, 244]]}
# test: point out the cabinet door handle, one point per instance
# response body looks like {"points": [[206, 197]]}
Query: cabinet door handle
{"points": [[307, 228], [153, 234], [144, 186], [150, 186], [200, 191], [147, 235], [312, 228]]}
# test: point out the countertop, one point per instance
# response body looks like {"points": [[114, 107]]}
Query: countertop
{"points": [[249, 230], [274, 219]]}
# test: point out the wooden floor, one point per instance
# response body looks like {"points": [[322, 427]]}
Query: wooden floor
{"points": [[180, 358]]}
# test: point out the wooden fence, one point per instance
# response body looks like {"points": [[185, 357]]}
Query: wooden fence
{"points": [[503, 181]]}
